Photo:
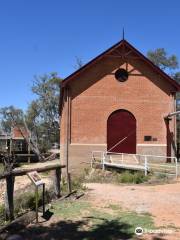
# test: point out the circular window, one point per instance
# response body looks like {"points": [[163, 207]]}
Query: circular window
{"points": [[121, 75]]}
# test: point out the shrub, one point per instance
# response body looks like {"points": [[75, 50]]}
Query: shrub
{"points": [[129, 177], [2, 210], [2, 214], [114, 176], [77, 183], [162, 176], [1, 168], [26, 200]]}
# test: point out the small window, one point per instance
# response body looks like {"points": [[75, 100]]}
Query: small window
{"points": [[121, 75], [147, 138]]}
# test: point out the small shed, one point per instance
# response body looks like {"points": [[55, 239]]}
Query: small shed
{"points": [[15, 139]]}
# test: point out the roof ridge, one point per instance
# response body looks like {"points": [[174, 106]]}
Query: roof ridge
{"points": [[123, 41]]}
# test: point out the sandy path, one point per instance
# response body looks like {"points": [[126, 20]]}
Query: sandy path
{"points": [[161, 201]]}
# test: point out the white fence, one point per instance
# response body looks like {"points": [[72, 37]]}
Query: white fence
{"points": [[136, 162]]}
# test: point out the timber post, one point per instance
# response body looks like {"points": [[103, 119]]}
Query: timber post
{"points": [[57, 180], [9, 197], [29, 150], [10, 179], [69, 183]]}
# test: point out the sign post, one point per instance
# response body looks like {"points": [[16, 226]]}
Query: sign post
{"points": [[37, 181]]}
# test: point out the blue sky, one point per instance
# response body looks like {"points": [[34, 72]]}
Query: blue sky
{"points": [[42, 36]]}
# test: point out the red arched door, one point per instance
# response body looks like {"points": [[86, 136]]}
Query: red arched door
{"points": [[121, 132]]}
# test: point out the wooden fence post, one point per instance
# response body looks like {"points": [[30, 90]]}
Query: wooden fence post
{"points": [[69, 183], [9, 197], [57, 180], [9, 176]]}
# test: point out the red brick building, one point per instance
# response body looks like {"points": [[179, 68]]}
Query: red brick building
{"points": [[118, 103]]}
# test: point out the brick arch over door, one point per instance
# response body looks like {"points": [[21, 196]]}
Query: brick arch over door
{"points": [[121, 132]]}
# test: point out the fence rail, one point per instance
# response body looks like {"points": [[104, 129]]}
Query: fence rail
{"points": [[10, 180], [136, 162]]}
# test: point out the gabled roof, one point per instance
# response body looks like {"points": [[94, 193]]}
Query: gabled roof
{"points": [[122, 43]]}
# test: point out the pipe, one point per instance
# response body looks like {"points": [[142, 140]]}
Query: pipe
{"points": [[67, 131], [175, 126], [173, 114]]}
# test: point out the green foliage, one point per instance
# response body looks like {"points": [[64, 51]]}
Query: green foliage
{"points": [[114, 207], [8, 115], [135, 177], [2, 214], [176, 77], [169, 64], [33, 112], [1, 168], [95, 217], [42, 116], [99, 176], [26, 200], [77, 183], [47, 88], [159, 57], [69, 209], [116, 177], [2, 210], [162, 176], [43, 113]]}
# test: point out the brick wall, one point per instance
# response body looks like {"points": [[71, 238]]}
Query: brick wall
{"points": [[95, 94]]}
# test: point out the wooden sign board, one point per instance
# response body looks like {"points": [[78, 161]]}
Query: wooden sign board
{"points": [[35, 178]]}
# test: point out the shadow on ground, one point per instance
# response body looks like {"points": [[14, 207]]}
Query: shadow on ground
{"points": [[78, 230]]}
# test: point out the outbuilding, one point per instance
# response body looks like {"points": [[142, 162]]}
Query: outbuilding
{"points": [[118, 102]]}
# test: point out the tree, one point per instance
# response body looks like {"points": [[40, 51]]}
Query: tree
{"points": [[31, 117], [167, 63], [160, 58], [6, 114], [43, 113], [176, 77], [170, 65], [9, 116], [79, 63]]}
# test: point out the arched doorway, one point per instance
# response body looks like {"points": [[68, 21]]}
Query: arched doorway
{"points": [[121, 132]]}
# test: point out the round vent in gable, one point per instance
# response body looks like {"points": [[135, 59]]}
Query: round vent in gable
{"points": [[121, 75]]}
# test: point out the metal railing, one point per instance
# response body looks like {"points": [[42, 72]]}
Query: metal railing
{"points": [[154, 163], [97, 158]]}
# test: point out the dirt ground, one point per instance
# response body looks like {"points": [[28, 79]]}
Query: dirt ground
{"points": [[161, 201]]}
